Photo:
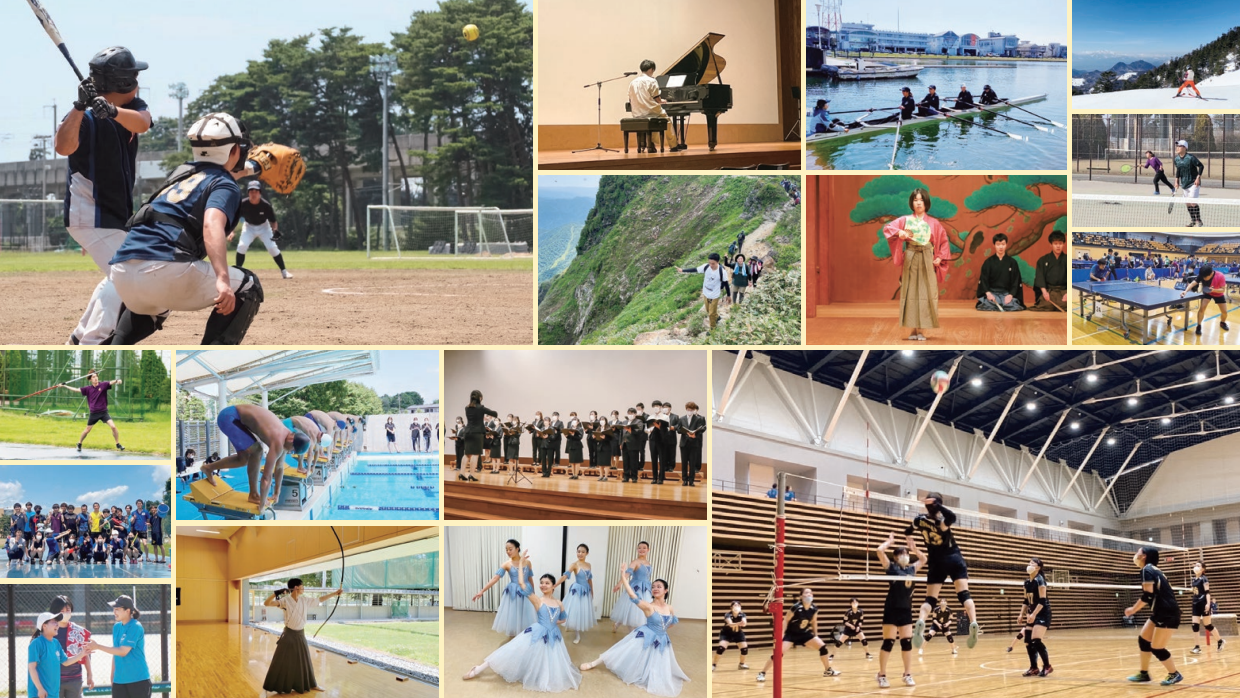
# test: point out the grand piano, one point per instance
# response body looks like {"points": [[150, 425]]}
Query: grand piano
{"points": [[688, 88]]}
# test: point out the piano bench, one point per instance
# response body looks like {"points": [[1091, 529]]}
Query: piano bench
{"points": [[645, 128]]}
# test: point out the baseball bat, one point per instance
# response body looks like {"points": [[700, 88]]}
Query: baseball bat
{"points": [[50, 27]]}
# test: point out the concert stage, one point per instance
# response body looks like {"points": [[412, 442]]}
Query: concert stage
{"points": [[847, 324], [697, 157]]}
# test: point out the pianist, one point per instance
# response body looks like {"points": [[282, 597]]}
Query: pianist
{"points": [[644, 93]]}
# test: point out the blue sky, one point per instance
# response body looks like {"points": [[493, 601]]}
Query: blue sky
{"points": [[1039, 22], [192, 43], [1148, 29], [400, 371], [578, 185], [106, 484]]}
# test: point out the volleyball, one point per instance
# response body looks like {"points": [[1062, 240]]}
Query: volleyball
{"points": [[938, 381], [470, 32]]}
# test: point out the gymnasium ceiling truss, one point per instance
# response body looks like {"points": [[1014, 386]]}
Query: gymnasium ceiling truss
{"points": [[1056, 406]]}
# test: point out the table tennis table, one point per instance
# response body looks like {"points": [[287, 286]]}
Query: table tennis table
{"points": [[1130, 297]]}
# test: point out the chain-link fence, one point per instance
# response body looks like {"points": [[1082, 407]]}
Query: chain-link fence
{"points": [[1112, 147], [20, 606], [34, 225], [27, 377]]}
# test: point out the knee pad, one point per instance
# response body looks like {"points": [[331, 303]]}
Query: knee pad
{"points": [[231, 329], [949, 638], [719, 650], [934, 603], [865, 643], [1209, 626], [744, 651], [823, 651], [888, 644], [906, 644], [1196, 627], [963, 596], [1144, 645], [1029, 638], [132, 328], [1162, 655]]}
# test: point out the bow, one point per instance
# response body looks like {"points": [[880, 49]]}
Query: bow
{"points": [[329, 615]]}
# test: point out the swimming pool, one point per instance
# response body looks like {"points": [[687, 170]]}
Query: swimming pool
{"points": [[382, 486]]}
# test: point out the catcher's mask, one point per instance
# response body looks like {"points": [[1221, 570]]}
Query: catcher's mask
{"points": [[215, 137]]}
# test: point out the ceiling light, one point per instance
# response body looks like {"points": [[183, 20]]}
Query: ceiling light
{"points": [[1132, 401], [1031, 406], [976, 382], [1111, 442], [1166, 421], [1201, 376], [908, 352], [203, 530], [1075, 425], [1091, 377], [1228, 400]]}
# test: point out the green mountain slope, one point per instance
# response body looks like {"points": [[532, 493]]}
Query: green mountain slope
{"points": [[624, 280]]}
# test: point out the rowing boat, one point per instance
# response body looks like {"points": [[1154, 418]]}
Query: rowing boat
{"points": [[916, 121]]}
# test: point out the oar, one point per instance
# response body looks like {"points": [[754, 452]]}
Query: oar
{"points": [[892, 165], [859, 111], [988, 128], [1029, 112], [1007, 116]]}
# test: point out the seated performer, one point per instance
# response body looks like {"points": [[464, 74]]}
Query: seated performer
{"points": [[646, 103], [999, 284]]}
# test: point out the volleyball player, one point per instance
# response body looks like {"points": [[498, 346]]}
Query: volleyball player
{"points": [[941, 624], [1156, 592], [945, 561], [1202, 606], [1036, 611], [801, 630], [898, 607], [853, 618], [733, 632]]}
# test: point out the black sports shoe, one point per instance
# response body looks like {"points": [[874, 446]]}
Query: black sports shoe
{"points": [[1224, 327], [79, 447], [1198, 330], [120, 447]]}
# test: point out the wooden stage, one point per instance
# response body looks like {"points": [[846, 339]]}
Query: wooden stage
{"points": [[228, 659], [849, 324], [557, 497], [1087, 663], [1105, 328], [468, 639], [697, 157]]}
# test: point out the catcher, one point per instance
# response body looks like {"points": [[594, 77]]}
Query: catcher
{"points": [[160, 266], [259, 220]]}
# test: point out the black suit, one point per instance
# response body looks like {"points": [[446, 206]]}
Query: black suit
{"points": [[634, 441], [667, 456], [691, 448], [655, 441], [640, 458], [591, 445], [557, 440]]}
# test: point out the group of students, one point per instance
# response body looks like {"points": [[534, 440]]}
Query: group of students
{"points": [[98, 536], [726, 279], [421, 435], [821, 121], [59, 653], [600, 443], [537, 656], [1000, 287]]}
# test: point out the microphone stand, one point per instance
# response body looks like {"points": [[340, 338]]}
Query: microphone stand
{"points": [[599, 145]]}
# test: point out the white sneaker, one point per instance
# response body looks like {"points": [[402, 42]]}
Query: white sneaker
{"points": [[286, 273], [908, 680], [882, 682], [761, 676], [953, 650]]}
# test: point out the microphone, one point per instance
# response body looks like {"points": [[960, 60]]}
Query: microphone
{"points": [[630, 73]]}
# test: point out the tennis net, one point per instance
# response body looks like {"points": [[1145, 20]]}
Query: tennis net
{"points": [[1123, 212]]}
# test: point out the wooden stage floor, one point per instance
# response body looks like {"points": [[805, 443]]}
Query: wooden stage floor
{"points": [[1106, 329], [216, 660], [1088, 664], [468, 639], [671, 491], [849, 324], [697, 157]]}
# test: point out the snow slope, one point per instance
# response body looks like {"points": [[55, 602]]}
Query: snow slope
{"points": [[1222, 91]]}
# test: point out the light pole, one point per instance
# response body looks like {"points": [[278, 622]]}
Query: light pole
{"points": [[382, 67], [179, 92], [55, 122]]}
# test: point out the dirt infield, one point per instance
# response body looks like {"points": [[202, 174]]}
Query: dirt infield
{"points": [[351, 306]]}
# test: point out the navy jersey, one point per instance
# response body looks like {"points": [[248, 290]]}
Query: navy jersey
{"points": [[1199, 588], [1164, 596], [802, 620], [99, 187], [1033, 596], [213, 187], [257, 214]]}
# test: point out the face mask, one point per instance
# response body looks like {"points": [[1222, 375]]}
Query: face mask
{"points": [[902, 560], [1031, 569], [1197, 571]]}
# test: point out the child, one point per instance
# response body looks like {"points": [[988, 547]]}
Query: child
{"points": [[45, 657]]}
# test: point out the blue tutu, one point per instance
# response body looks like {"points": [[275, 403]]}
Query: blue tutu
{"points": [[579, 604], [628, 613], [645, 657], [537, 657], [515, 612]]}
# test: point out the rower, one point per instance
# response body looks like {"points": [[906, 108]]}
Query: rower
{"points": [[821, 121], [989, 96], [929, 105], [907, 105], [964, 100]]}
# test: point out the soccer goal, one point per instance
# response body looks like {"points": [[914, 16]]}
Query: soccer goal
{"points": [[409, 231]]}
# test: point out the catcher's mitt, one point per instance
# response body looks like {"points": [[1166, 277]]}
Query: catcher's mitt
{"points": [[281, 167], [275, 235]]}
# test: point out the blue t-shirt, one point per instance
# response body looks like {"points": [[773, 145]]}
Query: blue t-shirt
{"points": [[99, 188], [789, 496], [213, 187], [132, 667], [48, 655], [140, 520], [1100, 272], [773, 493]]}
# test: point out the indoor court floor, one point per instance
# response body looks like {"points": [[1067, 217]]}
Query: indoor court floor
{"points": [[1087, 663], [228, 659], [468, 639], [1105, 327]]}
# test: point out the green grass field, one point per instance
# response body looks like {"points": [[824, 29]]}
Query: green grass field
{"points": [[413, 640], [12, 262], [150, 436]]}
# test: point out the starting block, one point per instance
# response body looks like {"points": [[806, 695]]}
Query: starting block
{"points": [[223, 501], [295, 489]]}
